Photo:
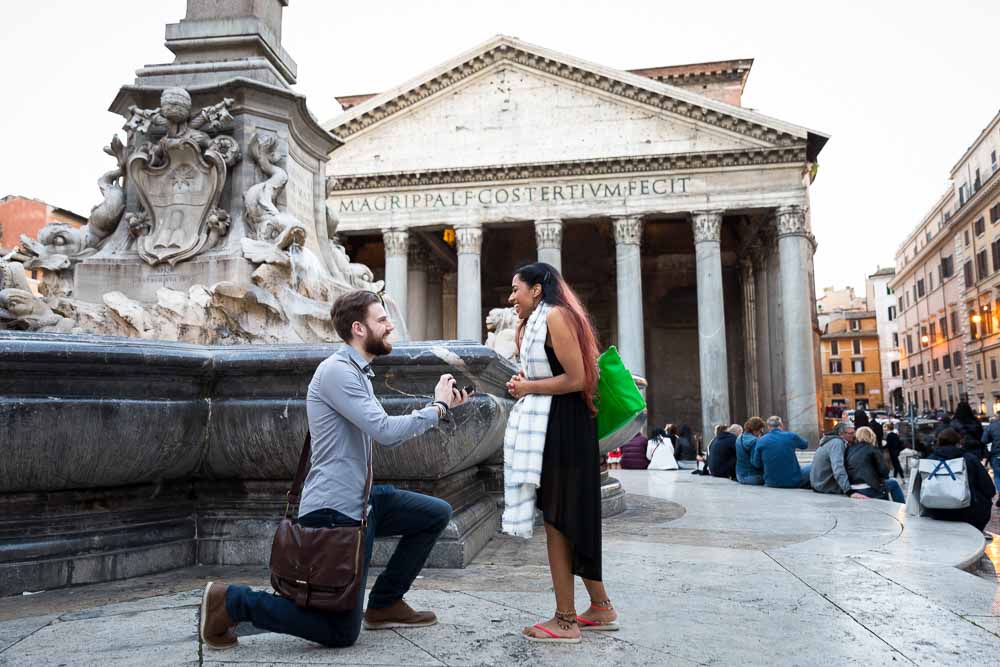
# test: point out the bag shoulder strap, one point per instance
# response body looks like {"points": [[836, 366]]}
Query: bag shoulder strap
{"points": [[295, 492]]}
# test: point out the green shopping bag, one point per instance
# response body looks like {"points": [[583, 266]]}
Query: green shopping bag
{"points": [[618, 399]]}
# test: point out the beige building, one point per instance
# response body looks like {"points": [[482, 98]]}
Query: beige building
{"points": [[946, 288], [976, 221], [931, 316]]}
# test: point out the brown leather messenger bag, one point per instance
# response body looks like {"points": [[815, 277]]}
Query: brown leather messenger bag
{"points": [[318, 568]]}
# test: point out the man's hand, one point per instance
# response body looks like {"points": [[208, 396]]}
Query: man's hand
{"points": [[448, 393], [859, 496]]}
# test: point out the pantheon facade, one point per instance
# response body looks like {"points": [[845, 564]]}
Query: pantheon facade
{"points": [[681, 218]]}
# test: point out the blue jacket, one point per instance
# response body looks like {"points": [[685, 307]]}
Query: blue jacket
{"points": [[745, 445], [775, 453]]}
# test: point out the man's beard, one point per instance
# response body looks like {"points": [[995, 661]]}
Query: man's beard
{"points": [[377, 346]]}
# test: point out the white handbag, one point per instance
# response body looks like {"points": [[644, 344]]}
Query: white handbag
{"points": [[944, 485]]}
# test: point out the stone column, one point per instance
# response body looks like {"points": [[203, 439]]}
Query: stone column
{"points": [[795, 248], [750, 335], [449, 305], [762, 331], [631, 325], [548, 237], [469, 241], [397, 243], [416, 291], [435, 329], [712, 359]]}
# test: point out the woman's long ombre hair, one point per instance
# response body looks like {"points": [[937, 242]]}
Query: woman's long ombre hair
{"points": [[557, 293]]}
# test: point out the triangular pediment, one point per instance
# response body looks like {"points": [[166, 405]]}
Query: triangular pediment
{"points": [[507, 102]]}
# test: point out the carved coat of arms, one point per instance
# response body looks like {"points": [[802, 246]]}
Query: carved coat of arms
{"points": [[180, 179]]}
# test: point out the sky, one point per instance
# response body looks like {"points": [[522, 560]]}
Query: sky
{"points": [[903, 88]]}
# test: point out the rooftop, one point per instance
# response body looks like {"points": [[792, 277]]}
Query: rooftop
{"points": [[677, 75]]}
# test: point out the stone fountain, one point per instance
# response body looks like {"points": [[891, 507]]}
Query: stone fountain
{"points": [[212, 254]]}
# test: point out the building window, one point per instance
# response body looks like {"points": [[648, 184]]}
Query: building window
{"points": [[943, 324], [951, 398], [933, 333], [905, 374], [920, 288], [982, 267], [858, 365], [963, 194], [954, 323], [834, 348], [835, 366], [895, 339], [902, 306], [967, 270], [947, 267], [856, 346], [909, 344], [979, 371], [966, 233], [859, 388], [995, 249], [934, 365], [979, 226], [986, 326], [957, 360], [994, 212], [920, 369], [993, 369], [993, 160], [913, 372], [946, 362], [855, 325], [838, 388], [892, 313], [894, 368]]}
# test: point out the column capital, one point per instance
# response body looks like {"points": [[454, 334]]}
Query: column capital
{"points": [[397, 242], [469, 240], [548, 233], [791, 221], [419, 257], [628, 230], [707, 226]]}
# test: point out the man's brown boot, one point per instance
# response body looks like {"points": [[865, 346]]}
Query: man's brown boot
{"points": [[398, 615], [217, 629]]}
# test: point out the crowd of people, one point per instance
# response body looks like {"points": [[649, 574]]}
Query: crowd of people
{"points": [[861, 459]]}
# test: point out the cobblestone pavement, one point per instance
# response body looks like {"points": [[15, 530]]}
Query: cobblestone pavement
{"points": [[703, 571]]}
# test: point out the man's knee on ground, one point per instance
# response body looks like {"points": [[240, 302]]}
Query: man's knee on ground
{"points": [[343, 640], [442, 514]]}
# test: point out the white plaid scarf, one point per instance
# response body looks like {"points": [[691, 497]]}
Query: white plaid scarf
{"points": [[524, 439]]}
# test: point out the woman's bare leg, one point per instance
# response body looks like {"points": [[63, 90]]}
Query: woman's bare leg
{"points": [[561, 568], [601, 609]]}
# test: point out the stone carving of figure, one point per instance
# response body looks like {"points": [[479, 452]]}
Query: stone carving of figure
{"points": [[358, 275], [104, 217], [20, 309], [267, 223], [501, 323]]}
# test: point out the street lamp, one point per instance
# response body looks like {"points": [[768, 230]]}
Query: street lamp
{"points": [[976, 318], [925, 339]]}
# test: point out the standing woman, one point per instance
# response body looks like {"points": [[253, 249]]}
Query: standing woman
{"points": [[555, 391]]}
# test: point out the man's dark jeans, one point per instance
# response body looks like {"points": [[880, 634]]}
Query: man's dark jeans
{"points": [[419, 519]]}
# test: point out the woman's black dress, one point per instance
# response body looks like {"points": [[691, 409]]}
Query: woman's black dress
{"points": [[570, 492]]}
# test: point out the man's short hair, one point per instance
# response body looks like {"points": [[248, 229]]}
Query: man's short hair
{"points": [[735, 429], [843, 426], [719, 428], [889, 426], [774, 421], [350, 308]]}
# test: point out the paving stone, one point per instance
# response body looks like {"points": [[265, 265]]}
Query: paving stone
{"points": [[14, 631], [146, 639]]}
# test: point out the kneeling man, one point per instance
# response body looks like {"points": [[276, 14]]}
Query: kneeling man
{"points": [[344, 419]]}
